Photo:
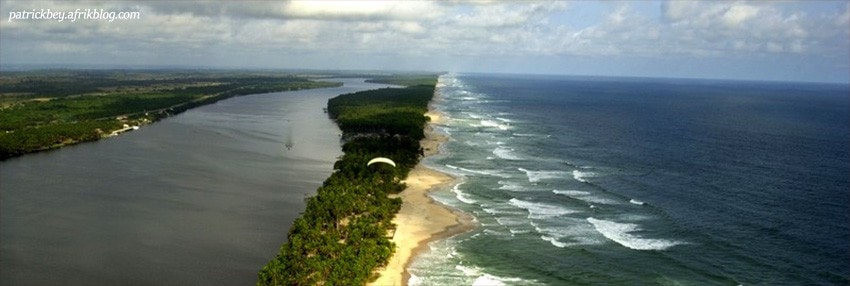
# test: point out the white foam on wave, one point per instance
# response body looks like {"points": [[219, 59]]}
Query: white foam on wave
{"points": [[540, 210], [506, 153], [621, 234], [578, 232], [514, 225], [571, 193], [553, 241], [415, 280], [461, 196], [494, 173], [527, 135], [474, 115], [493, 232], [519, 230], [485, 279], [585, 196], [511, 186], [537, 176], [582, 176], [494, 124], [497, 210]]}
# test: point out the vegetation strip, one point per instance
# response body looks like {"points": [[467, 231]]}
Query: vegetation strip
{"points": [[43, 110], [345, 231]]}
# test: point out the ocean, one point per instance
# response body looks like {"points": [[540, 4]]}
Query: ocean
{"points": [[633, 181]]}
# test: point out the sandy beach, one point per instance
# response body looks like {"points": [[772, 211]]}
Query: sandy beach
{"points": [[421, 219]]}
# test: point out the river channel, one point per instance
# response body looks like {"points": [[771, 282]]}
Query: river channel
{"points": [[202, 198]]}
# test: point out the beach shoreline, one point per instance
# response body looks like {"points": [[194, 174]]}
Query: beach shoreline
{"points": [[421, 219]]}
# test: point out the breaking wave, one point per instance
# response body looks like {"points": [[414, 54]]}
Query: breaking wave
{"points": [[621, 233]]}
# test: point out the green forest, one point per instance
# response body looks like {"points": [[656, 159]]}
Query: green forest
{"points": [[42, 110], [345, 232]]}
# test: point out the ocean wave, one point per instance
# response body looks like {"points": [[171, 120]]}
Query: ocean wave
{"points": [[621, 234], [511, 186], [485, 279], [537, 176], [518, 231], [461, 196], [578, 232], [585, 196], [474, 115], [540, 210], [494, 124], [497, 210], [493, 232], [415, 280], [528, 135], [506, 153], [514, 225], [582, 176], [571, 193], [493, 173], [445, 130], [553, 241]]}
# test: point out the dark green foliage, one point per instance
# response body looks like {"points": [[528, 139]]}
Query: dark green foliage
{"points": [[342, 235], [389, 111], [46, 137], [406, 80]]}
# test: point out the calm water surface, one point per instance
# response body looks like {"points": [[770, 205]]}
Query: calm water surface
{"points": [[205, 197]]}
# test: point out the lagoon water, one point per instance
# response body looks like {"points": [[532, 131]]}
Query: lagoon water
{"points": [[203, 198], [624, 181]]}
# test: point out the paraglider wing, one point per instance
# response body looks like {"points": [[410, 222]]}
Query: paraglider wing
{"points": [[381, 160]]}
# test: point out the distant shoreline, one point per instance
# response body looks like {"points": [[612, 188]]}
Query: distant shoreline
{"points": [[78, 106], [422, 220]]}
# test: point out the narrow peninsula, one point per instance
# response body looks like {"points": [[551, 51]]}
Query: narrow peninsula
{"points": [[347, 230]]}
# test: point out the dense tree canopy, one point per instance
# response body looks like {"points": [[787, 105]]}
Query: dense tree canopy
{"points": [[387, 111], [343, 234]]}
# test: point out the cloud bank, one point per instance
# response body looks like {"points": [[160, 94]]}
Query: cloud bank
{"points": [[687, 38]]}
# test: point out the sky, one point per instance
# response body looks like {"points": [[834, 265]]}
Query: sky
{"points": [[746, 40]]}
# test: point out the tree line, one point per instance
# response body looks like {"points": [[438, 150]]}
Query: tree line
{"points": [[80, 106], [345, 232]]}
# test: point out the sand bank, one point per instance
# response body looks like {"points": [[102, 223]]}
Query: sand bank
{"points": [[421, 219]]}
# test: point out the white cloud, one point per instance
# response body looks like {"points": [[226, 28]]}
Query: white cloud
{"points": [[843, 20], [744, 26], [362, 10], [459, 29], [507, 15], [738, 14]]}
